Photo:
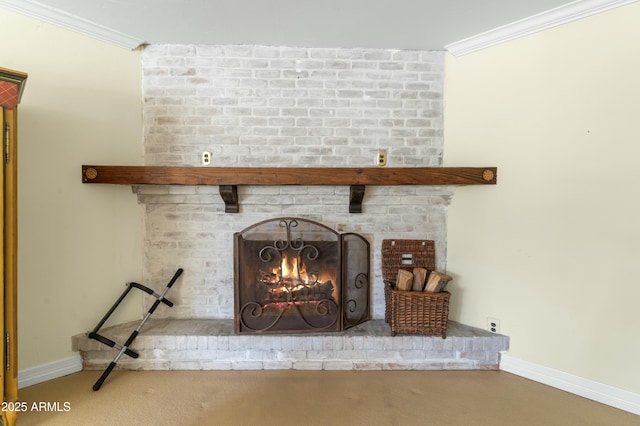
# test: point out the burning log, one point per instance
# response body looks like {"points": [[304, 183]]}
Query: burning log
{"points": [[268, 277], [318, 291], [274, 287], [326, 289]]}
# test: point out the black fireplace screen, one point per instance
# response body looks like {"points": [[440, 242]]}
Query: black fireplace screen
{"points": [[293, 275]]}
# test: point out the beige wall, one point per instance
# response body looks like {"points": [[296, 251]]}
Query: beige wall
{"points": [[78, 244], [553, 249]]}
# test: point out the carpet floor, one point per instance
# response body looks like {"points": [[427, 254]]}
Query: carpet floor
{"points": [[292, 397]]}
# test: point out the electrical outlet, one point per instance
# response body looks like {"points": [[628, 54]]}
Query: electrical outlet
{"points": [[381, 159], [206, 158], [493, 325]]}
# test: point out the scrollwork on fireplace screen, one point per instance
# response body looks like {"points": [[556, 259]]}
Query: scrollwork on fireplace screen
{"points": [[292, 283], [355, 271], [356, 310]]}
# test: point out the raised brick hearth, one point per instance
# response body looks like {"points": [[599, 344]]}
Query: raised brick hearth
{"points": [[194, 344]]}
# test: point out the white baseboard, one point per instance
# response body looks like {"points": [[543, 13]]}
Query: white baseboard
{"points": [[605, 394], [51, 370]]}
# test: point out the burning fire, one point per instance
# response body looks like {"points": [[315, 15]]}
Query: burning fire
{"points": [[291, 275], [293, 269], [292, 278]]}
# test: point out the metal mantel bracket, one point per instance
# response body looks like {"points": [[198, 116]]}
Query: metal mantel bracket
{"points": [[356, 194], [229, 194], [228, 178]]}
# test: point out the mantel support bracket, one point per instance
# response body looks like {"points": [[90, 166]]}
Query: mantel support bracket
{"points": [[356, 194], [229, 194], [229, 178]]}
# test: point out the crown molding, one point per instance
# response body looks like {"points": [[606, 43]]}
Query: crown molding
{"points": [[71, 22], [554, 17], [533, 24]]}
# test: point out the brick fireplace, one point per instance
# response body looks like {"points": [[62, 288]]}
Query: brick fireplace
{"points": [[258, 106], [262, 106]]}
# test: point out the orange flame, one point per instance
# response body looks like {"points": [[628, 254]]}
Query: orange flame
{"points": [[292, 268]]}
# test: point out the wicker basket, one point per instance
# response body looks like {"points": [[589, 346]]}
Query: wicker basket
{"points": [[412, 312]]}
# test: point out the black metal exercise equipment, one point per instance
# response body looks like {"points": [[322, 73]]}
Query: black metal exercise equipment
{"points": [[124, 349]]}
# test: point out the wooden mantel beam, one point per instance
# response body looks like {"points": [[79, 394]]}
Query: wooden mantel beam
{"points": [[169, 175], [229, 177]]}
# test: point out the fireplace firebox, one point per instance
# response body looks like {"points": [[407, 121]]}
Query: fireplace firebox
{"points": [[294, 275]]}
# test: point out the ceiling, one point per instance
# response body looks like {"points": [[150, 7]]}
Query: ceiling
{"points": [[395, 24]]}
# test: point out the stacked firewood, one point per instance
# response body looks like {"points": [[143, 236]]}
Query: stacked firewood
{"points": [[418, 280]]}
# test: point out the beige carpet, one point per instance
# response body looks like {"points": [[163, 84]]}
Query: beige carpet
{"points": [[289, 397]]}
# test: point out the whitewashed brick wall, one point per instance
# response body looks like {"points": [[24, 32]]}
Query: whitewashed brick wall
{"points": [[284, 107]]}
